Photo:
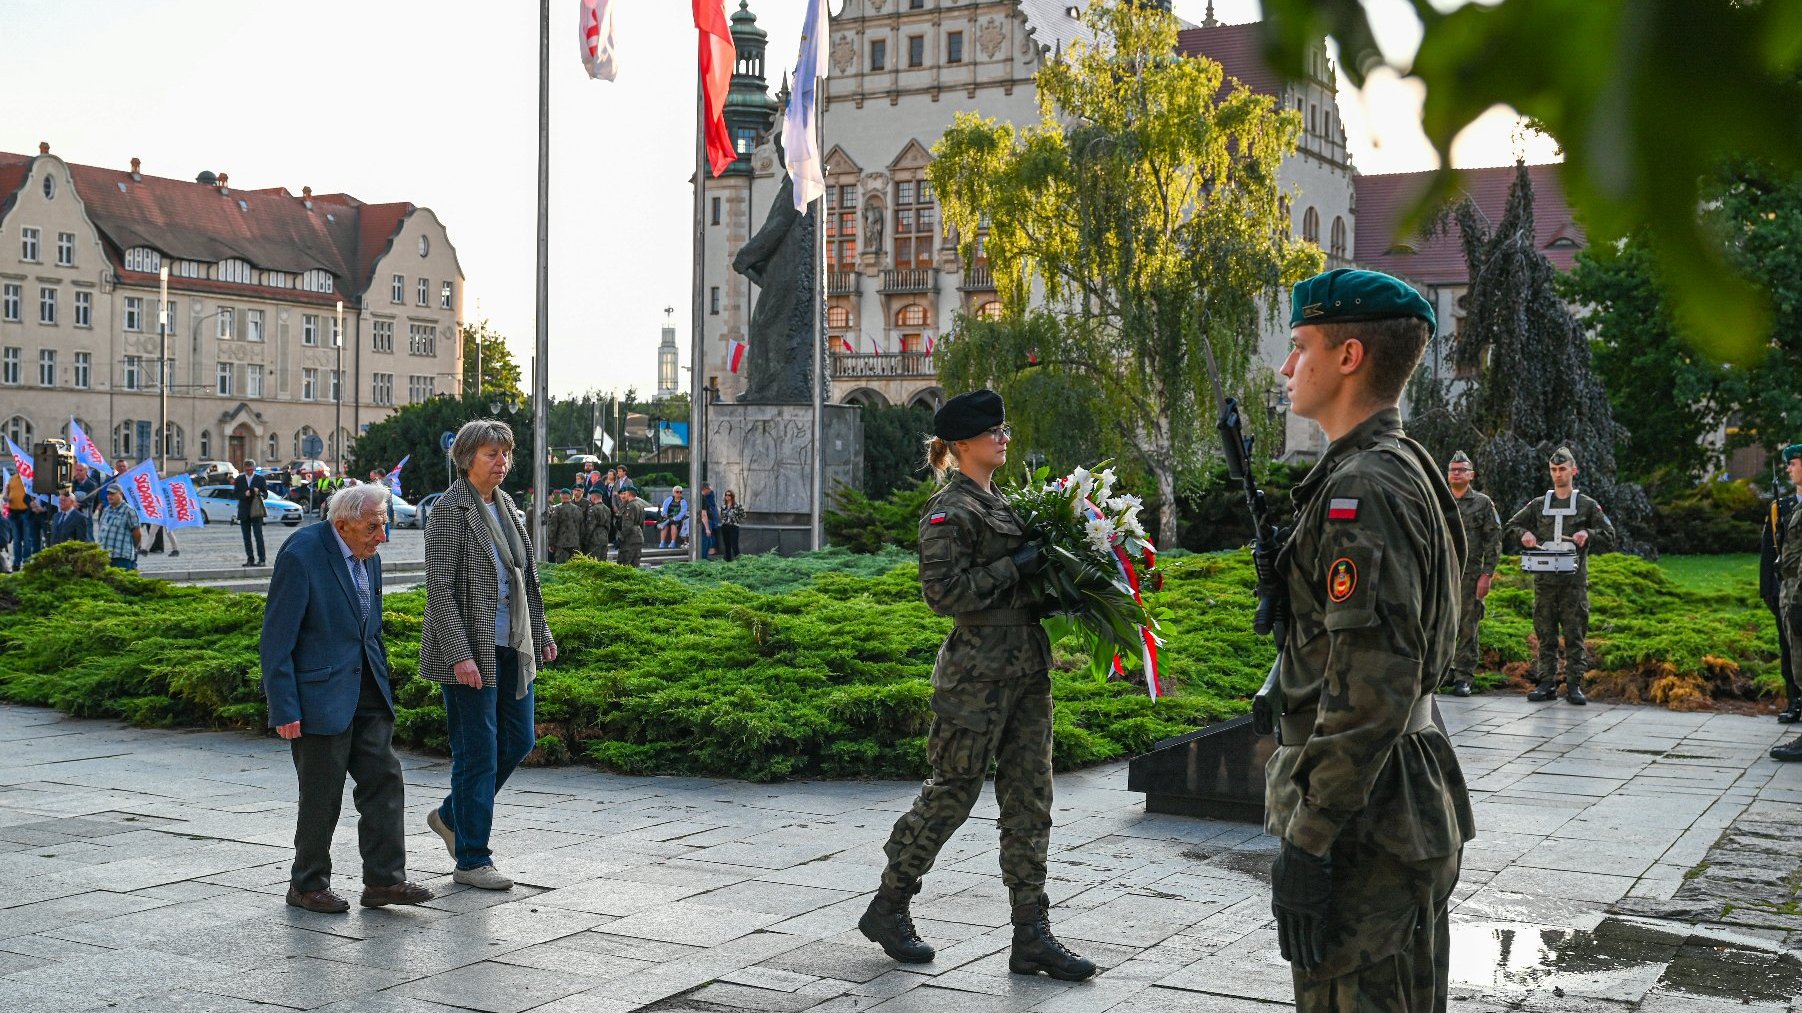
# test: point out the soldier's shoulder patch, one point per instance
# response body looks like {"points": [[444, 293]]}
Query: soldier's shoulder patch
{"points": [[1341, 579], [937, 517], [1342, 508]]}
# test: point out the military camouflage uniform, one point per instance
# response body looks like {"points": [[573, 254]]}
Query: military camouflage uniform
{"points": [[563, 535], [1561, 600], [1789, 582], [1362, 772], [631, 531], [597, 528], [1482, 548], [991, 695]]}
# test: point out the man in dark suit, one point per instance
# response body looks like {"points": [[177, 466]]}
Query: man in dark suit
{"points": [[69, 524], [250, 487], [325, 673]]}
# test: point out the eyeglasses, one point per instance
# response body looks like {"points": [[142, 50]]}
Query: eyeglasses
{"points": [[1001, 433]]}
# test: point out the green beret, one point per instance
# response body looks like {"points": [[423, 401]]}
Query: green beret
{"points": [[1562, 456], [1347, 294], [967, 416], [1792, 452], [563, 492], [1460, 457]]}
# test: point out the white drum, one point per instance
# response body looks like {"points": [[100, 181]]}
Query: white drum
{"points": [[1549, 560]]}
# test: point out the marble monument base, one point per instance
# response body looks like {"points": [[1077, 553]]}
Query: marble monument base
{"points": [[764, 454]]}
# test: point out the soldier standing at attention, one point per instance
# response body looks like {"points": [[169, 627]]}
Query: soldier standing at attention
{"points": [[1789, 577], [991, 695], [1482, 548], [630, 514], [597, 524], [563, 533], [1561, 600], [1771, 541], [1364, 791]]}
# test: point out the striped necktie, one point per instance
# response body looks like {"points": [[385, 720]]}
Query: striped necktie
{"points": [[360, 574]]}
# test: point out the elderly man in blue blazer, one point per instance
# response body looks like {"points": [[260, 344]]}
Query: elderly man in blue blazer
{"points": [[325, 673]]}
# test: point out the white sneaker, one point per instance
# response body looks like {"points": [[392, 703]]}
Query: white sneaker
{"points": [[485, 878], [436, 823]]}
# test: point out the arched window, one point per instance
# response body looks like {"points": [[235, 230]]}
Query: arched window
{"points": [[838, 317], [125, 439], [990, 310], [1338, 248], [341, 445], [911, 315], [300, 441], [275, 446], [1310, 225], [20, 430], [206, 444], [175, 442]]}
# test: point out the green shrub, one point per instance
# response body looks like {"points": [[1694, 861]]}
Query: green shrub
{"points": [[1710, 518], [862, 524]]}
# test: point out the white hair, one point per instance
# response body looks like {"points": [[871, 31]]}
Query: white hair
{"points": [[355, 502]]}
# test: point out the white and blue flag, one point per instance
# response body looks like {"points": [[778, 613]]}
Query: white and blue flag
{"points": [[806, 162]]}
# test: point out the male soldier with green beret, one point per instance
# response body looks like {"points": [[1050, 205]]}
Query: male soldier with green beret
{"points": [[597, 524], [1364, 790], [563, 535], [629, 514], [1483, 546], [1789, 583], [1561, 600]]}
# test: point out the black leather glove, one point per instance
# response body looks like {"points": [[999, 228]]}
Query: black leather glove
{"points": [[1301, 885], [1029, 559]]}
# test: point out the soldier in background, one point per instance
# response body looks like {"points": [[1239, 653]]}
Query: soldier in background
{"points": [[597, 524], [1561, 600], [563, 533], [630, 515], [1364, 791], [1789, 576], [1771, 543], [1482, 548]]}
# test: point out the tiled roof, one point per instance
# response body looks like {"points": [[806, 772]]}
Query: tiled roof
{"points": [[1439, 259], [1051, 25], [1239, 51], [271, 228]]}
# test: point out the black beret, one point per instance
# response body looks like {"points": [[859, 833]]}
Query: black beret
{"points": [[968, 415], [1347, 294]]}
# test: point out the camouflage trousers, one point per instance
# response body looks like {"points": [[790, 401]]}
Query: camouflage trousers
{"points": [[1007, 723], [1470, 614], [1561, 608], [628, 554], [1388, 940]]}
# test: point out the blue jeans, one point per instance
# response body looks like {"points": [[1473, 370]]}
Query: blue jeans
{"points": [[25, 536], [490, 732]]}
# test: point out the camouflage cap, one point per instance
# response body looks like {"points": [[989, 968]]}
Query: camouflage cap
{"points": [[1460, 457], [1792, 452], [1562, 456], [1346, 294]]}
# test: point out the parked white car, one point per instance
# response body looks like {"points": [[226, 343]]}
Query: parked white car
{"points": [[219, 505], [406, 515]]}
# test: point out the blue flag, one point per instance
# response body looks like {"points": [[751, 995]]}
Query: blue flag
{"points": [[143, 490], [25, 464], [182, 501], [85, 451], [394, 476]]}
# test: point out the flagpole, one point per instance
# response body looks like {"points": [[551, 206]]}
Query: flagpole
{"points": [[697, 344], [818, 533], [541, 363]]}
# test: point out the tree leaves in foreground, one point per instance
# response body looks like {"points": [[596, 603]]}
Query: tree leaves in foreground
{"points": [[1645, 97]]}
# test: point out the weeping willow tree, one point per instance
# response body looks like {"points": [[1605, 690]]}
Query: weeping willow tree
{"points": [[1138, 237], [1532, 385]]}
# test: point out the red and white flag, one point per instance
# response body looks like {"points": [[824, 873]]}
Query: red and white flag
{"points": [[847, 343], [875, 346], [930, 341], [599, 56], [717, 57], [735, 354]]}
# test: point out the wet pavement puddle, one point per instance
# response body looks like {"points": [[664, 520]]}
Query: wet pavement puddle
{"points": [[1619, 960]]}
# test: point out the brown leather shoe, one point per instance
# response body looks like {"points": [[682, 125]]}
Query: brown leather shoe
{"points": [[324, 902], [403, 892]]}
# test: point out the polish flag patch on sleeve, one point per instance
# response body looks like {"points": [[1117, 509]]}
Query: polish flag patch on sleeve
{"points": [[1342, 510], [937, 518]]}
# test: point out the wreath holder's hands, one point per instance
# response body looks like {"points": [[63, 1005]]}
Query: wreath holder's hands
{"points": [[1301, 887]]}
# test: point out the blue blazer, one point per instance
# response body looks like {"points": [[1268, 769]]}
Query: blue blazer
{"points": [[314, 648]]}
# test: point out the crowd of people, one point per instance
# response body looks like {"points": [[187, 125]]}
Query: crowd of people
{"points": [[603, 509]]}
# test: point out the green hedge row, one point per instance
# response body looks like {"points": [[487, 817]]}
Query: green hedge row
{"points": [[815, 666]]}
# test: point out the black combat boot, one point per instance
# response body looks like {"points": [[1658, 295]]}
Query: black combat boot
{"points": [[887, 924], [1461, 688], [1574, 694], [1544, 693], [1036, 949]]}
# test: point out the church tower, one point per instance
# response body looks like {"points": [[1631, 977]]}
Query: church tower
{"points": [[668, 368]]}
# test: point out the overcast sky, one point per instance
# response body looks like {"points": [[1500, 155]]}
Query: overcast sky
{"points": [[436, 103]]}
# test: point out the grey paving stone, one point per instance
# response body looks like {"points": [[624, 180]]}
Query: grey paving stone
{"points": [[495, 987], [116, 974], [617, 896], [306, 983], [561, 956], [827, 959], [690, 922], [783, 899]]}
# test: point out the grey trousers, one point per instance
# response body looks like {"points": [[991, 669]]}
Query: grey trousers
{"points": [[365, 751]]}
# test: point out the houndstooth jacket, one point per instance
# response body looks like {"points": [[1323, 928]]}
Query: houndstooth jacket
{"points": [[461, 593]]}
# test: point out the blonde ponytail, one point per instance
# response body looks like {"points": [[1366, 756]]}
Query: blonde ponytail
{"points": [[941, 457]]}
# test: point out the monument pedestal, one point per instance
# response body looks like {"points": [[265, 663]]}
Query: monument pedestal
{"points": [[764, 454]]}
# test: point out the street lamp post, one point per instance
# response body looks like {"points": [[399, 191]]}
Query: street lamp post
{"points": [[338, 395], [162, 366]]}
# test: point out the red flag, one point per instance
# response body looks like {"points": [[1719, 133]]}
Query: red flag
{"points": [[717, 59], [930, 341], [875, 346], [847, 343], [735, 354]]}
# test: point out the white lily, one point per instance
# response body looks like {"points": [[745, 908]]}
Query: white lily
{"points": [[1100, 533]]}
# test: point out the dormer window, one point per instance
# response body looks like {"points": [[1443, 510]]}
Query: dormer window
{"points": [[143, 258], [316, 280], [237, 271]]}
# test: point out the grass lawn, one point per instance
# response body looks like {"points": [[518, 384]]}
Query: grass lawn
{"points": [[1714, 573]]}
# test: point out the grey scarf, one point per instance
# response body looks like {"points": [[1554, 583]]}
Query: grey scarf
{"points": [[519, 614]]}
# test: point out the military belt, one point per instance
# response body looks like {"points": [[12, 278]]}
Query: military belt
{"points": [[1296, 729], [998, 617]]}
